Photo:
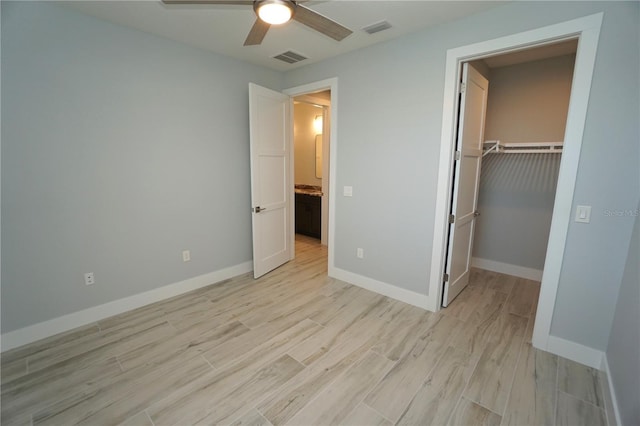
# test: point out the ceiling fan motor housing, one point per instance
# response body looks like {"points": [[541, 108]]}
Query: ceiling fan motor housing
{"points": [[260, 7]]}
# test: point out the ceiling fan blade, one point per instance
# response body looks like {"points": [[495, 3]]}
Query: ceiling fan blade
{"points": [[241, 2], [257, 33], [326, 26]]}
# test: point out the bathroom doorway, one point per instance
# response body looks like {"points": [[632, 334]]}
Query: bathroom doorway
{"points": [[311, 144]]}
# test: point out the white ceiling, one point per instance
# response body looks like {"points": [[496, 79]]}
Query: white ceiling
{"points": [[223, 28]]}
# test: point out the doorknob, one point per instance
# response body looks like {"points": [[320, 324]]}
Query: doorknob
{"points": [[476, 213], [258, 209]]}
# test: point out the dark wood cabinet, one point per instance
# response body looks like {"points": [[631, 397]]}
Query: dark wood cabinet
{"points": [[308, 215]]}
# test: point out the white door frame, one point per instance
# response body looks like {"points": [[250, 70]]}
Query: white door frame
{"points": [[587, 30], [328, 84]]}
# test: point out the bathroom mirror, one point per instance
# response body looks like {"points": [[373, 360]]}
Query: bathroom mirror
{"points": [[319, 156]]}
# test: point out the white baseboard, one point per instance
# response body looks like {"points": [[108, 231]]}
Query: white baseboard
{"points": [[32, 333], [506, 268], [389, 290], [613, 400], [575, 352]]}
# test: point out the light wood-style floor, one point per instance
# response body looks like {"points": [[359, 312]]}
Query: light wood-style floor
{"points": [[296, 347]]}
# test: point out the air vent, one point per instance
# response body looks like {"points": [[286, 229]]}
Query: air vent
{"points": [[377, 27], [290, 57]]}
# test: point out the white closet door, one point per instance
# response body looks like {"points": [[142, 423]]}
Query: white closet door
{"points": [[473, 107]]}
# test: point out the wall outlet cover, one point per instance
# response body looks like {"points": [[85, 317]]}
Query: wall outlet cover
{"points": [[89, 279]]}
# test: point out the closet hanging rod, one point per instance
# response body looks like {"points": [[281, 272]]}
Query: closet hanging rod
{"points": [[523, 147]]}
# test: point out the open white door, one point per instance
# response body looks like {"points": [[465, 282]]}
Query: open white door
{"points": [[270, 146], [473, 106]]}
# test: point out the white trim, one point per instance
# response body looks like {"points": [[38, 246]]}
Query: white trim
{"points": [[326, 176], [385, 289], [612, 398], [44, 329], [575, 352], [506, 268], [328, 84], [587, 29]]}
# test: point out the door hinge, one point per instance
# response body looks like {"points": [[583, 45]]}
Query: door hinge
{"points": [[463, 87], [445, 278], [458, 155], [452, 218]]}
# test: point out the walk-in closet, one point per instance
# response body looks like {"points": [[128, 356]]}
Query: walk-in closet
{"points": [[527, 106]]}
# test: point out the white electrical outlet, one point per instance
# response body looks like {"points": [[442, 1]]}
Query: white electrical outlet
{"points": [[89, 279], [347, 191], [360, 253], [186, 255]]}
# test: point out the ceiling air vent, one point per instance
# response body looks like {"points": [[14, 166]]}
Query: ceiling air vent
{"points": [[377, 27], [290, 57]]}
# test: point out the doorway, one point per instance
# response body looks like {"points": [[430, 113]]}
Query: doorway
{"points": [[519, 140], [272, 170], [311, 146], [329, 144], [587, 31]]}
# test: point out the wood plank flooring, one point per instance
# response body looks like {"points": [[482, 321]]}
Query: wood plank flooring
{"points": [[298, 348]]}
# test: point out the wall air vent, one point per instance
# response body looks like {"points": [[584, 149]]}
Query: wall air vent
{"points": [[290, 57], [377, 27]]}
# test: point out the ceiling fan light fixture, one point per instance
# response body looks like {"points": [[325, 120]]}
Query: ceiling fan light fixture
{"points": [[274, 12]]}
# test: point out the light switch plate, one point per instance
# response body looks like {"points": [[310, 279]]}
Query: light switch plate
{"points": [[348, 191], [583, 214]]}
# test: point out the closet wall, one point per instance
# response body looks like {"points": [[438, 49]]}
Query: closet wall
{"points": [[527, 102]]}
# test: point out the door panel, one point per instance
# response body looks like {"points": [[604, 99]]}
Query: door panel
{"points": [[473, 106], [461, 244], [269, 118], [274, 235], [469, 167], [273, 182], [271, 114]]}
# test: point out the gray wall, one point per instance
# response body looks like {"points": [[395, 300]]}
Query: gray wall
{"points": [[608, 180], [623, 352], [388, 150], [119, 150]]}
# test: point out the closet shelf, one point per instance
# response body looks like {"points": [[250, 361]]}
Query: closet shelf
{"points": [[522, 147]]}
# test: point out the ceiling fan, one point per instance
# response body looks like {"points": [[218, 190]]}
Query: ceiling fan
{"points": [[276, 12]]}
